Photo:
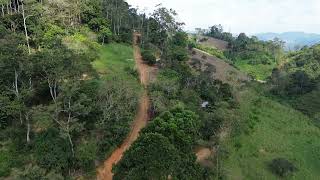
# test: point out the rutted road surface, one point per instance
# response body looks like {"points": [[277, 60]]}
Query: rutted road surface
{"points": [[141, 119]]}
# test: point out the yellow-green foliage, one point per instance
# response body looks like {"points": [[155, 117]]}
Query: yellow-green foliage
{"points": [[213, 51], [84, 40], [306, 60], [257, 71]]}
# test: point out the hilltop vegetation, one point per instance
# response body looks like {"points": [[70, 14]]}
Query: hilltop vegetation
{"points": [[250, 55]]}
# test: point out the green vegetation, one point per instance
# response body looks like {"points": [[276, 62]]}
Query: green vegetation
{"points": [[58, 117], [254, 57], [167, 139], [213, 51], [258, 71], [116, 60], [297, 82], [148, 57], [69, 91], [282, 167], [267, 130], [179, 123]]}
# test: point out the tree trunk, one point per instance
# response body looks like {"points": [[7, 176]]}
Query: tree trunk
{"points": [[18, 4], [68, 128], [28, 128], [15, 6], [8, 11], [71, 143], [10, 5], [53, 90], [25, 27], [2, 10], [16, 89]]}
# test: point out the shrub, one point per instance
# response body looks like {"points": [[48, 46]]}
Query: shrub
{"points": [[149, 57], [132, 71], [282, 167], [52, 152], [86, 154]]}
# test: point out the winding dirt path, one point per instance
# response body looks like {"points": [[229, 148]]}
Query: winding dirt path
{"points": [[141, 119]]}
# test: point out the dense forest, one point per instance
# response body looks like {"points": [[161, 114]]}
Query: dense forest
{"points": [[70, 89]]}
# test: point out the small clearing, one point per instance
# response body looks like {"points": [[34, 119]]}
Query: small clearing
{"points": [[213, 42], [221, 70]]}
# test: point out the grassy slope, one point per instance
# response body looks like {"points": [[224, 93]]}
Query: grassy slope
{"points": [[114, 58], [260, 71], [276, 131]]}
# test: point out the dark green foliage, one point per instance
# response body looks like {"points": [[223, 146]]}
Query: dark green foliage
{"points": [[216, 31], [297, 82], [178, 125], [86, 154], [164, 148], [300, 84], [180, 39], [53, 152], [282, 167], [148, 57], [309, 104], [178, 53], [151, 156], [31, 172], [97, 24], [210, 125]]}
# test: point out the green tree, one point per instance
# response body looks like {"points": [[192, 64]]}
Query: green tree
{"points": [[151, 156], [52, 152]]}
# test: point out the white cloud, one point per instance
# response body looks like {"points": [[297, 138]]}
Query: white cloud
{"points": [[250, 16]]}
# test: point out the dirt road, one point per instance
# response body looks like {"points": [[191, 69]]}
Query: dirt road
{"points": [[141, 119]]}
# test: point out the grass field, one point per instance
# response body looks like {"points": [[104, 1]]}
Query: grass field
{"points": [[260, 71], [115, 59], [271, 130]]}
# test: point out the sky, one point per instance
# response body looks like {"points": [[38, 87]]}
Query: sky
{"points": [[249, 16]]}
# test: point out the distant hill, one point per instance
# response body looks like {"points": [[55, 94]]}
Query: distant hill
{"points": [[293, 40]]}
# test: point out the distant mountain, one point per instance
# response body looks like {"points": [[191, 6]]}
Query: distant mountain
{"points": [[293, 40]]}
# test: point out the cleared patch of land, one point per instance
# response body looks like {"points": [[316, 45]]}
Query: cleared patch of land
{"points": [[221, 70], [258, 71], [114, 59], [213, 42]]}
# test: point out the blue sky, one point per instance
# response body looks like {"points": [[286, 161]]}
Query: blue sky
{"points": [[250, 16]]}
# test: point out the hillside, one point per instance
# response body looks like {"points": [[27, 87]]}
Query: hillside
{"points": [[213, 42], [293, 40], [219, 69], [268, 130], [97, 89]]}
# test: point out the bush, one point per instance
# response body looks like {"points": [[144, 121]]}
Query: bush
{"points": [[149, 57], [282, 167], [86, 154], [52, 152]]}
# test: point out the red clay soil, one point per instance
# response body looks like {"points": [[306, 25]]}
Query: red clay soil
{"points": [[141, 119]]}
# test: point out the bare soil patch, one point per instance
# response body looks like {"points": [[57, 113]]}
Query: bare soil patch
{"points": [[222, 70]]}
